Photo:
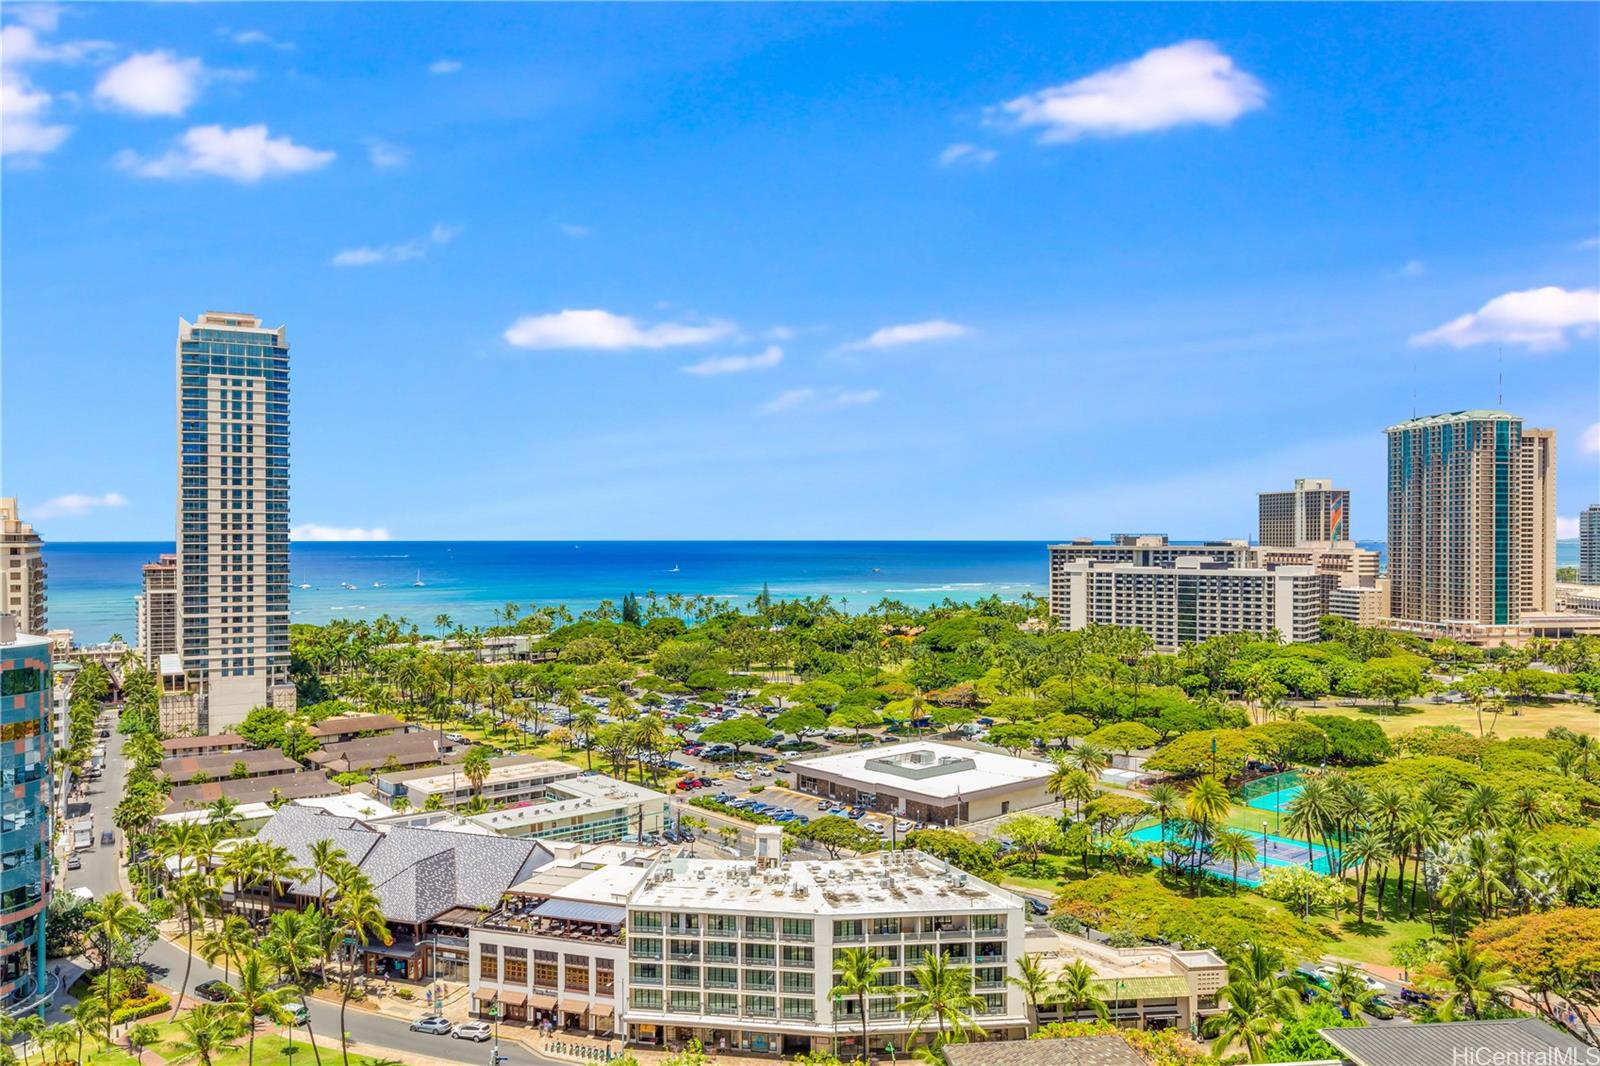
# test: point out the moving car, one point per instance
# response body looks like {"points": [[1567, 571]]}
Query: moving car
{"points": [[298, 1015], [479, 1031], [73, 862], [108, 838], [214, 991], [432, 1023], [1036, 906]]}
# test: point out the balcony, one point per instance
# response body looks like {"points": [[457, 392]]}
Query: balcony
{"points": [[684, 956], [760, 1012]]}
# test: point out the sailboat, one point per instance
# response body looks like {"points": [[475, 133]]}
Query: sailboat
{"points": [[675, 569], [418, 583]]}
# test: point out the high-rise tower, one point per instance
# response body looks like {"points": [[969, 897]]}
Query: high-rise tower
{"points": [[1313, 512], [22, 582], [233, 512], [1589, 545], [1471, 518]]}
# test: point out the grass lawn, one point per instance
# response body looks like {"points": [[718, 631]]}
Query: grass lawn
{"points": [[271, 1050], [1531, 720]]}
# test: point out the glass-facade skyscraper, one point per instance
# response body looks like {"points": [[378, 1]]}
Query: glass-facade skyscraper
{"points": [[1471, 518], [233, 512], [25, 804]]}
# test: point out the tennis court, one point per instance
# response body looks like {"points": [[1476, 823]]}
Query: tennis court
{"points": [[1273, 793], [1270, 851]]}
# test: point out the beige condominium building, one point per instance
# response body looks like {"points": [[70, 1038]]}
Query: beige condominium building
{"points": [[1313, 512], [1348, 581], [233, 513], [156, 610], [1147, 549], [1471, 518], [1193, 598], [22, 583], [739, 955]]}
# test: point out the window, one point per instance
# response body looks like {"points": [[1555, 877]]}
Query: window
{"points": [[760, 1006], [760, 980], [544, 969], [646, 922], [847, 930], [685, 976], [797, 929], [722, 977], [797, 982], [605, 977], [761, 928], [989, 923], [575, 973], [20, 680], [646, 973], [489, 964], [646, 998], [760, 955], [798, 1008], [798, 956], [686, 1003], [722, 1003], [644, 949], [517, 965]]}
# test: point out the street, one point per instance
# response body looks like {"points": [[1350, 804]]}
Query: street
{"points": [[100, 875]]}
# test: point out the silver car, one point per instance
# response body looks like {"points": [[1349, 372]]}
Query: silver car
{"points": [[479, 1031], [432, 1023]]}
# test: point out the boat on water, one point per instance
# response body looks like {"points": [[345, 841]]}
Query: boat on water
{"points": [[418, 583], [377, 584], [675, 569], [305, 585], [351, 585]]}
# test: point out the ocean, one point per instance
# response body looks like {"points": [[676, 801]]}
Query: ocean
{"points": [[92, 585]]}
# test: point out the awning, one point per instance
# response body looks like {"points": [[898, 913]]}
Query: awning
{"points": [[602, 1010], [488, 995], [574, 911], [542, 1001], [396, 950], [574, 1006], [513, 997]]}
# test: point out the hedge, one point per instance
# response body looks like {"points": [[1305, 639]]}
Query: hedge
{"points": [[152, 1002], [708, 804]]}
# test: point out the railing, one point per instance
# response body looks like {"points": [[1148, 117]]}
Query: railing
{"points": [[760, 1012]]}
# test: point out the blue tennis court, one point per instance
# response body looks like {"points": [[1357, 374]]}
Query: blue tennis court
{"points": [[1273, 793], [1270, 851]]}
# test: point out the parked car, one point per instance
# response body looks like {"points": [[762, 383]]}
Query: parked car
{"points": [[742, 775], [904, 826], [73, 862], [763, 771], [108, 838], [214, 991], [1036, 906], [479, 1031], [298, 1015], [436, 1024]]}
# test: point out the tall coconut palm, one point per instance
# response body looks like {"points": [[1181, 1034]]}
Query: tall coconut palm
{"points": [[1206, 806], [475, 768], [1483, 865], [1473, 981], [942, 991], [1034, 982], [1312, 812], [1367, 850], [208, 1031], [114, 920], [585, 723], [1235, 846], [326, 860], [278, 867], [293, 945], [1075, 990], [1347, 987], [193, 896], [1249, 1018], [360, 919], [255, 995], [1088, 756], [856, 972], [226, 943], [1166, 801]]}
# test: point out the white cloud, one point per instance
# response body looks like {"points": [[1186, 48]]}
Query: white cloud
{"points": [[572, 229], [780, 333], [603, 331], [936, 329], [244, 154], [1536, 319], [151, 83], [1566, 528], [1589, 440], [967, 155], [736, 364], [386, 156], [25, 132], [1413, 268], [1589, 243], [74, 504], [255, 37], [22, 44], [817, 399], [788, 400], [42, 17], [444, 66], [415, 248], [312, 531], [1188, 83]]}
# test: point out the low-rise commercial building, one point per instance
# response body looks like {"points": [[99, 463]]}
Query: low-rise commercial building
{"points": [[351, 726], [589, 808], [234, 766], [517, 779], [389, 750], [303, 785], [927, 781], [219, 744], [1148, 987]]}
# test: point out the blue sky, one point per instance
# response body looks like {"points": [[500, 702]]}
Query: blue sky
{"points": [[767, 271]]}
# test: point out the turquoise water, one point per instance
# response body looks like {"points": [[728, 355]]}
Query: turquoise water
{"points": [[1278, 851], [92, 586]]}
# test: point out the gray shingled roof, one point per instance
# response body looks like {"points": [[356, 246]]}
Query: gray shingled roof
{"points": [[1104, 1050], [416, 873], [1452, 1043]]}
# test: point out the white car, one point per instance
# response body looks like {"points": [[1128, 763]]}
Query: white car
{"points": [[875, 827], [743, 775], [904, 826], [1371, 983], [763, 771]]}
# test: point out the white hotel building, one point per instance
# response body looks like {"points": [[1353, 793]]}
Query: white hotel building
{"points": [[739, 955]]}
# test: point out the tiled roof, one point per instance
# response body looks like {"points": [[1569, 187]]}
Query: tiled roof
{"points": [[297, 828], [221, 740], [252, 790], [1452, 1043], [256, 763], [1106, 1049], [366, 753], [361, 723]]}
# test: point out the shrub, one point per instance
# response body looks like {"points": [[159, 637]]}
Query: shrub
{"points": [[709, 804], [404, 993], [152, 1002]]}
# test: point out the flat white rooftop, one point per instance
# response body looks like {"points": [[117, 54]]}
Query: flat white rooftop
{"points": [[587, 795], [927, 768], [887, 883], [452, 778]]}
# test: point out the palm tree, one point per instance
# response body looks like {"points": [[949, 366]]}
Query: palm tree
{"points": [[1164, 798], [856, 973], [87, 1017], [1033, 981], [360, 918], [255, 995], [1347, 987], [226, 943], [585, 723], [192, 896], [1207, 803], [114, 920], [28, 1026], [1075, 990], [1367, 850], [326, 859], [1473, 982], [1088, 756], [1312, 811], [1483, 865], [208, 1030], [58, 1038], [1248, 1020], [278, 867], [475, 767], [943, 992], [1236, 846], [293, 944]]}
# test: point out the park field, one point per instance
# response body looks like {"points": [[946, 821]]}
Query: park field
{"points": [[1532, 720]]}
